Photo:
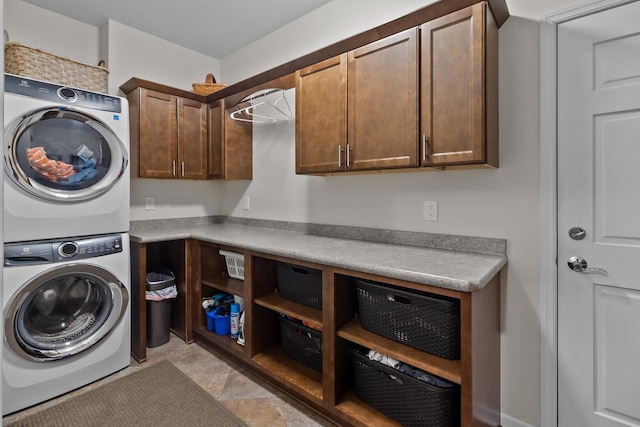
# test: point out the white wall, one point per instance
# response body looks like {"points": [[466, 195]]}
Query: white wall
{"points": [[330, 23], [128, 53], [132, 53], [51, 32]]}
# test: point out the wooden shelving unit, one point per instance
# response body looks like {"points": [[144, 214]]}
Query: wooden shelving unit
{"points": [[330, 392]]}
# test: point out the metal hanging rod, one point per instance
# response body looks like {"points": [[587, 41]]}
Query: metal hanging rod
{"points": [[266, 106]]}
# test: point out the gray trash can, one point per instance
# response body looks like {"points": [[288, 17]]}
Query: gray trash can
{"points": [[160, 292]]}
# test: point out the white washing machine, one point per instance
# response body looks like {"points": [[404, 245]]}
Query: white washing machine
{"points": [[67, 318], [66, 154]]}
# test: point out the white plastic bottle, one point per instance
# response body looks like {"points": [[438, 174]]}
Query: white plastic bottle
{"points": [[235, 314]]}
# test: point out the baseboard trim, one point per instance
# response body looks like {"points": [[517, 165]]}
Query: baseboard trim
{"points": [[507, 421]]}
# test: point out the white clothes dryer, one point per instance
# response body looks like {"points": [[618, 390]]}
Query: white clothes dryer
{"points": [[67, 318], [66, 155]]}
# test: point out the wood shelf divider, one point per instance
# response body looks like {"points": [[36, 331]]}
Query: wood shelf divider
{"points": [[355, 408], [226, 284], [445, 368], [224, 341], [275, 302], [283, 368]]}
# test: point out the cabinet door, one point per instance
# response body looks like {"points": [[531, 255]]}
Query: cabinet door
{"points": [[230, 145], [158, 135], [453, 85], [383, 103], [215, 127], [192, 139], [238, 148], [321, 115]]}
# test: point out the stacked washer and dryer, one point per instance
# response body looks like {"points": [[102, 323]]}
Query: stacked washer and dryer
{"points": [[66, 274]]}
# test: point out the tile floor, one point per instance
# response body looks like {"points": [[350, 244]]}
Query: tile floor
{"points": [[253, 401]]}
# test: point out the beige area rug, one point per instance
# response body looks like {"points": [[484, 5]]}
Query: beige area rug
{"points": [[157, 396]]}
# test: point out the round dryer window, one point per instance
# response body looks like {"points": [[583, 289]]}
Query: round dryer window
{"points": [[64, 311], [63, 155]]}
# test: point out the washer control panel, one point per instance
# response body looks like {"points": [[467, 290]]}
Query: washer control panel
{"points": [[87, 248], [29, 253], [61, 94]]}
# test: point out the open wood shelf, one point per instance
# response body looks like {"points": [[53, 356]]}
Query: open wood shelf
{"points": [[284, 369], [224, 341], [355, 408], [445, 368], [275, 302], [226, 284]]}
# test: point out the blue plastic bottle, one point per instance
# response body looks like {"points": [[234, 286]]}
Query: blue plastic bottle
{"points": [[235, 314]]}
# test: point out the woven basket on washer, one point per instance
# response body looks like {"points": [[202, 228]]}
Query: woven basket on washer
{"points": [[37, 64]]}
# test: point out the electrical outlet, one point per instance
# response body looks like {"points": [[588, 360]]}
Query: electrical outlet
{"points": [[149, 203], [431, 210], [246, 203]]}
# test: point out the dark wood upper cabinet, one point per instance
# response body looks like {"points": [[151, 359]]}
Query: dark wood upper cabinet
{"points": [[230, 145], [192, 139], [359, 110], [424, 96], [459, 123], [157, 133], [168, 136], [321, 116], [382, 81]]}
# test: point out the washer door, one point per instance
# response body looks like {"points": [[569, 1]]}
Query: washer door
{"points": [[63, 155], [64, 311]]}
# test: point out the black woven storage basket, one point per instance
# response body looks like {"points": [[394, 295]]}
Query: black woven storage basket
{"points": [[301, 343], [300, 284], [424, 321], [403, 398]]}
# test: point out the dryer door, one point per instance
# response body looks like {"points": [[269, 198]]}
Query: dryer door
{"points": [[63, 155], [64, 311]]}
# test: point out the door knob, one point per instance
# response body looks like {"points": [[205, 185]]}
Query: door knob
{"points": [[579, 265]]}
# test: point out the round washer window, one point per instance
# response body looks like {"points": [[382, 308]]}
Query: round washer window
{"points": [[61, 154], [64, 311]]}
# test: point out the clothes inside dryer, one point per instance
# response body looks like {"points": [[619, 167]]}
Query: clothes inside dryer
{"points": [[63, 149]]}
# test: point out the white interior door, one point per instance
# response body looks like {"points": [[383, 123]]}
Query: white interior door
{"points": [[599, 191]]}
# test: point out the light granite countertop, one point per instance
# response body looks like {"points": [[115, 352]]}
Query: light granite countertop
{"points": [[452, 269]]}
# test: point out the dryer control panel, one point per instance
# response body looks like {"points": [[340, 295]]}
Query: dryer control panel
{"points": [[61, 94], [29, 253]]}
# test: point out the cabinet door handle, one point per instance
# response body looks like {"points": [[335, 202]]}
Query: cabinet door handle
{"points": [[173, 167], [425, 146], [339, 155], [348, 156], [182, 168]]}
